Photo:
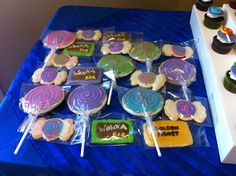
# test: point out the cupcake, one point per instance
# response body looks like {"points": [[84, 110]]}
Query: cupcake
{"points": [[203, 5], [214, 17], [223, 41], [230, 79], [232, 4]]}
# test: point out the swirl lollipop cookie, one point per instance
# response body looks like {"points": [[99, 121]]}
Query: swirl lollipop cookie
{"points": [[52, 129], [148, 80], [177, 71], [49, 75], [89, 35], [38, 101]]}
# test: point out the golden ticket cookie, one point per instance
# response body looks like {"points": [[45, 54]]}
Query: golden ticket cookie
{"points": [[148, 80], [52, 129], [170, 134], [49, 75]]}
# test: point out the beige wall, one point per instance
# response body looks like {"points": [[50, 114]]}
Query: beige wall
{"points": [[22, 21]]}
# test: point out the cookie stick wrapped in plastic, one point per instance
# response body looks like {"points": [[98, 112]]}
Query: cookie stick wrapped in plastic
{"points": [[110, 74], [144, 103], [38, 101], [85, 101], [57, 40]]}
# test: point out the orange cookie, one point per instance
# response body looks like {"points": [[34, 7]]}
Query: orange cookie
{"points": [[170, 134]]}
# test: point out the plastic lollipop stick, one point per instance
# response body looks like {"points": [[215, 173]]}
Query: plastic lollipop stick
{"points": [[110, 74], [149, 65], [184, 88], [83, 139], [110, 92], [153, 133], [33, 118]]}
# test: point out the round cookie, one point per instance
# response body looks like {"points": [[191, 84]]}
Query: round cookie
{"points": [[121, 65], [134, 100], [87, 98], [49, 75], [42, 99], [143, 51], [89, 35], [177, 71], [116, 47], [59, 39], [148, 80]]}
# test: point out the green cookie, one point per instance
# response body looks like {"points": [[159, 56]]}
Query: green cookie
{"points": [[143, 51], [112, 131], [80, 49], [121, 65]]}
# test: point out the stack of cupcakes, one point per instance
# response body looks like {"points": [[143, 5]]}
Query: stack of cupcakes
{"points": [[214, 17], [230, 79], [224, 41], [203, 5]]}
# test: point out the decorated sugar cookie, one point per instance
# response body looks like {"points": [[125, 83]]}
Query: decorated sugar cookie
{"points": [[121, 65], [116, 36], [116, 47], [61, 60], [52, 129], [178, 71], [89, 98], [59, 39], [143, 51], [85, 75], [112, 131], [80, 49], [185, 110], [89, 35], [135, 100], [148, 80], [49, 75], [169, 134], [42, 99], [177, 51]]}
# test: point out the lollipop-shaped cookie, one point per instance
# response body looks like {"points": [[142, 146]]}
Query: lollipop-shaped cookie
{"points": [[58, 40], [38, 101], [86, 100], [145, 103], [177, 71]]}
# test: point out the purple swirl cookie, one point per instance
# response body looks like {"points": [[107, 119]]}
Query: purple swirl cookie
{"points": [[52, 129], [116, 46], [185, 108], [89, 98], [88, 34], [49, 75], [177, 71]]}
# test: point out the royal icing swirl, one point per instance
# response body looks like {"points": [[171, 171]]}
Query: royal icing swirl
{"points": [[88, 34], [177, 71], [42, 99], [185, 108], [116, 46], [52, 128], [49, 74], [139, 100], [59, 39]]}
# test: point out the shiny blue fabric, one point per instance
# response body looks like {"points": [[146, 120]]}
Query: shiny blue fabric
{"points": [[58, 159]]}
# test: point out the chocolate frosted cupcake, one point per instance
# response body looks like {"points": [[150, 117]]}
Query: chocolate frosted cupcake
{"points": [[223, 41], [203, 5], [230, 79], [232, 4], [214, 17]]}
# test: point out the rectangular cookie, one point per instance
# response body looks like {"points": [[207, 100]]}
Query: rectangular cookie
{"points": [[112, 132], [79, 48], [170, 134]]}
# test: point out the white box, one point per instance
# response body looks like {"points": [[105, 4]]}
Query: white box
{"points": [[222, 102]]}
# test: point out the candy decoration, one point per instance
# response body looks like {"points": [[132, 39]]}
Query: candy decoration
{"points": [[90, 98], [49, 74], [215, 10], [52, 128], [185, 108], [177, 71], [226, 30], [42, 99], [135, 98], [59, 39]]}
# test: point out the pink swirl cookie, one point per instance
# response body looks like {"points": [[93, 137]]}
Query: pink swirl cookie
{"points": [[59, 39], [42, 99]]}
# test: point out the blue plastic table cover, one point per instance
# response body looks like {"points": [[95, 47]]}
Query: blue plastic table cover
{"points": [[60, 159]]}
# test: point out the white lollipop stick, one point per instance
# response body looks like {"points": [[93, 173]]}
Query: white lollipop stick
{"points": [[149, 65], [110, 74], [83, 140], [24, 135], [153, 133], [110, 92], [184, 88]]}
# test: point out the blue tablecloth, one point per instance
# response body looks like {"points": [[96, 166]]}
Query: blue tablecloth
{"points": [[41, 158]]}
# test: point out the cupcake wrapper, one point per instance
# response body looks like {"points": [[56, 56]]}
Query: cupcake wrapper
{"points": [[229, 83], [221, 48], [213, 23], [203, 6]]}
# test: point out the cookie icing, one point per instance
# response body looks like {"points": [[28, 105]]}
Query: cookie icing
{"points": [[179, 50], [226, 35], [116, 36], [61, 59], [185, 108], [59, 39], [80, 49], [134, 100], [49, 74], [147, 77], [88, 34], [177, 70], [116, 46], [215, 12], [52, 128], [42, 99]]}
